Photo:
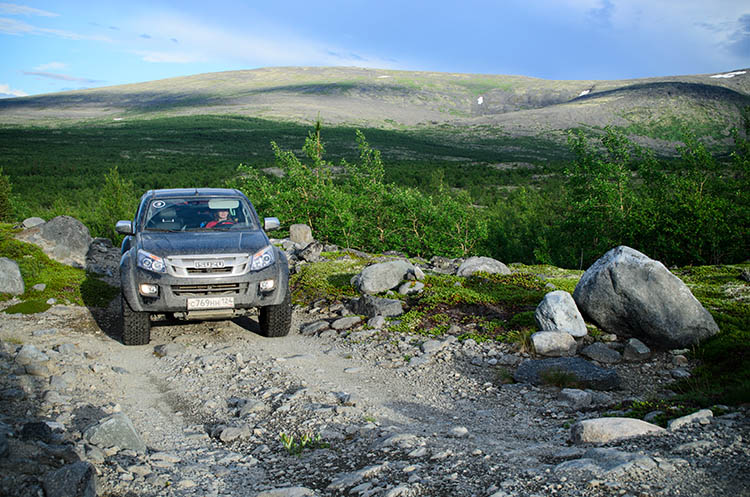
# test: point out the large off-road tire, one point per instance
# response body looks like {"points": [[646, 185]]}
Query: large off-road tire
{"points": [[136, 326], [276, 320]]}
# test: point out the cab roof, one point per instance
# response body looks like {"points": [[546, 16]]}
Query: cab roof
{"points": [[193, 192]]}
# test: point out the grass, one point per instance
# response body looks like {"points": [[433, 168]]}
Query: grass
{"points": [[499, 306], [329, 279], [65, 284], [723, 375]]}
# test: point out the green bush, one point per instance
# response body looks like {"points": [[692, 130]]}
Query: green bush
{"points": [[358, 209]]}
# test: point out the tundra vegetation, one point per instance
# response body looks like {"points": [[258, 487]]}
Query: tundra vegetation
{"points": [[689, 211]]}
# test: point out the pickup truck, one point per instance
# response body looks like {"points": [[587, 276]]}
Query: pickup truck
{"points": [[200, 254]]}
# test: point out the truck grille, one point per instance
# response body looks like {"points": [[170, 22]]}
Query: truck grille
{"points": [[208, 265], [209, 290]]}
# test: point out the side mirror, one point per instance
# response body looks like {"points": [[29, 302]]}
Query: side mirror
{"points": [[124, 227], [271, 223]]}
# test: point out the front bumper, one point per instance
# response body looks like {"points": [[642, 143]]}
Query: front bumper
{"points": [[173, 292]]}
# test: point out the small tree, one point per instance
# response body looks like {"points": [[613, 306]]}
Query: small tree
{"points": [[116, 201]]}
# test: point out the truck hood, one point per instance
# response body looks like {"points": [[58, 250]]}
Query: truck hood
{"points": [[202, 242]]}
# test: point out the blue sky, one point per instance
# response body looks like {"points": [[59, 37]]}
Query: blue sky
{"points": [[50, 46]]}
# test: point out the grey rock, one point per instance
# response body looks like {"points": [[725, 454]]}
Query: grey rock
{"points": [[311, 253], [629, 294], [169, 350], [376, 322], [115, 431], [603, 462], [30, 222], [635, 350], [274, 171], [63, 238], [432, 346], [39, 287], [586, 374], [411, 288], [575, 398], [680, 373], [484, 264], [73, 480], [370, 306], [603, 430], [287, 492], [383, 276], [253, 406], [314, 327], [704, 416], [598, 351], [558, 311], [554, 343], [11, 281], [459, 432], [37, 430], [29, 354], [300, 233], [44, 332], [346, 323]]}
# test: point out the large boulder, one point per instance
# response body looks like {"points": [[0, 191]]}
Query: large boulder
{"points": [[580, 371], [558, 311], [64, 239], [11, 280], [485, 264], [383, 276], [629, 294]]}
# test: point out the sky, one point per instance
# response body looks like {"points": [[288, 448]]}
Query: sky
{"points": [[49, 46]]}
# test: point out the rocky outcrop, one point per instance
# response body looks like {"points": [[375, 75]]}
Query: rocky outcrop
{"points": [[629, 294], [64, 239]]}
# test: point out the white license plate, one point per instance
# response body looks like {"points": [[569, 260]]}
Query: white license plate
{"points": [[210, 303]]}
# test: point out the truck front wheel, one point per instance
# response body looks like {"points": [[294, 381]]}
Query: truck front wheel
{"points": [[136, 326], [276, 320]]}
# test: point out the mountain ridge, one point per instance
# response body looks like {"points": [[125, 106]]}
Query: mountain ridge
{"points": [[511, 105]]}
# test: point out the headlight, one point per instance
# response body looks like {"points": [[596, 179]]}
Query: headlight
{"points": [[150, 262], [262, 258]]}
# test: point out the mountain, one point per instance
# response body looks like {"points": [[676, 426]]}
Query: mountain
{"points": [[654, 109]]}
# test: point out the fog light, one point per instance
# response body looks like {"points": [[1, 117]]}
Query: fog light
{"points": [[148, 289], [267, 285]]}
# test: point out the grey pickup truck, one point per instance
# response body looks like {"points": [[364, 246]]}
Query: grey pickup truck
{"points": [[200, 254]]}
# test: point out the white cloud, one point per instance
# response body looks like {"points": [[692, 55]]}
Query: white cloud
{"points": [[14, 27], [51, 66], [61, 77], [23, 10], [257, 45], [7, 91]]}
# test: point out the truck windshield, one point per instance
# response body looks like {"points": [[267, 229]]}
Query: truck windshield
{"points": [[198, 213]]}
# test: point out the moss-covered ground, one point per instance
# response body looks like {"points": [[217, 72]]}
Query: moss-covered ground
{"points": [[66, 284], [501, 308]]}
